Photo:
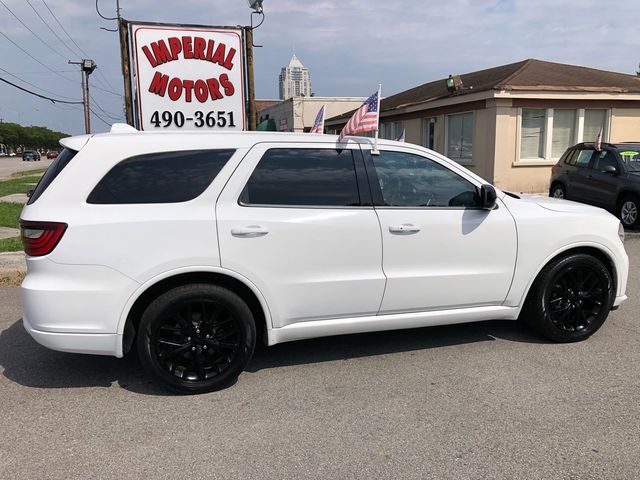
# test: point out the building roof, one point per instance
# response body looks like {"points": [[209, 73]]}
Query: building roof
{"points": [[529, 75], [294, 62]]}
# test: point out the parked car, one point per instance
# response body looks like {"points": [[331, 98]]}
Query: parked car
{"points": [[29, 155], [608, 178], [195, 246], [52, 154]]}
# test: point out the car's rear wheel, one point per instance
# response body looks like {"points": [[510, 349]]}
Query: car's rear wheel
{"points": [[570, 299], [558, 191], [628, 211], [196, 338]]}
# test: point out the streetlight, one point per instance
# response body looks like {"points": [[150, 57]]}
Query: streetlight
{"points": [[256, 5], [86, 67]]}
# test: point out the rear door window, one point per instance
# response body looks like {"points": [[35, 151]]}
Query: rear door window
{"points": [[303, 177], [584, 157], [61, 161], [166, 177]]}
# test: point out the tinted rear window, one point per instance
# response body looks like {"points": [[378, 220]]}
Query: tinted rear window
{"points": [[167, 177], [300, 177], [61, 161]]}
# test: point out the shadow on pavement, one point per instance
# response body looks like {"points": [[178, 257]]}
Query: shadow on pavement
{"points": [[27, 363]]}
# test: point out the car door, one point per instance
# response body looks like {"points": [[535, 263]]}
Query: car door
{"points": [[297, 221], [441, 251], [601, 187], [577, 185]]}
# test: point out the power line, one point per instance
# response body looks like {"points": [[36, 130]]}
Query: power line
{"points": [[36, 86], [34, 33], [100, 118], [102, 16], [65, 31], [86, 55], [109, 115], [52, 30], [54, 100], [35, 59]]}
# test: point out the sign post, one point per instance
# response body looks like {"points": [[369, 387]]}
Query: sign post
{"points": [[191, 77]]}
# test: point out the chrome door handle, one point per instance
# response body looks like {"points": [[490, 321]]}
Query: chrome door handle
{"points": [[249, 231], [404, 228]]}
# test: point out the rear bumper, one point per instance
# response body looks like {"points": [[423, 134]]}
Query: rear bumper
{"points": [[93, 343]]}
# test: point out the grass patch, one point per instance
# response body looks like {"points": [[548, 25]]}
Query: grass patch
{"points": [[17, 185], [9, 213], [27, 173], [13, 244]]}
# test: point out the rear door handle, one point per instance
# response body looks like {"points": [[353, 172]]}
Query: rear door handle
{"points": [[405, 228], [249, 231], [589, 177]]}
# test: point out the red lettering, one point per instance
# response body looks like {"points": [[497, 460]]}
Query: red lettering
{"points": [[214, 88], [159, 84], [176, 47], [175, 89], [186, 45], [188, 88], [228, 62], [149, 56], [201, 91], [161, 52], [227, 85], [218, 57], [199, 44], [210, 45]]}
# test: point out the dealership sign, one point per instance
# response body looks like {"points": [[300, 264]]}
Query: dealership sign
{"points": [[188, 78]]}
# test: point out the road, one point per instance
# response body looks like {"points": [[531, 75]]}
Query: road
{"points": [[9, 165], [476, 401]]}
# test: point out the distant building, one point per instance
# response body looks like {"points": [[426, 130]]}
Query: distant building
{"points": [[297, 114], [510, 124], [294, 80]]}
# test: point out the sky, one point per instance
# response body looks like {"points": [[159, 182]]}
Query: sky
{"points": [[350, 46]]}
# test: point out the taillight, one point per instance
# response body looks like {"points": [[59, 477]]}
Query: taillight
{"points": [[40, 238]]}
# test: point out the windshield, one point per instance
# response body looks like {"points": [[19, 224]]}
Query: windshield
{"points": [[630, 155]]}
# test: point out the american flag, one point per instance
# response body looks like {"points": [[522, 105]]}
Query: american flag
{"points": [[598, 145], [365, 119], [318, 124]]}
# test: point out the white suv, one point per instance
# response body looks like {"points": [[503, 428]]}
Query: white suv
{"points": [[194, 245]]}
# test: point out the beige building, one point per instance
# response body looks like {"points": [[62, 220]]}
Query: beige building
{"points": [[297, 114], [510, 124]]}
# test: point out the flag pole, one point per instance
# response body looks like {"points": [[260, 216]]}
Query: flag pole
{"points": [[375, 140]]}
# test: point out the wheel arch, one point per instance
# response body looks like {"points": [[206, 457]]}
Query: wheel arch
{"points": [[626, 192], [597, 251], [557, 182], [140, 300]]}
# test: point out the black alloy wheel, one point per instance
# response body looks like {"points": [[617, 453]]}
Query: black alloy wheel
{"points": [[628, 212], [570, 299], [196, 338], [558, 191]]}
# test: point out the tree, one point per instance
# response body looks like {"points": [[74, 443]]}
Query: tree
{"points": [[14, 135]]}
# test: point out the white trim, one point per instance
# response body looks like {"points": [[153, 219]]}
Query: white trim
{"points": [[548, 135], [580, 125], [377, 323]]}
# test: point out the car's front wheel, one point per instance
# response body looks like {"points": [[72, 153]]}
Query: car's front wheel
{"points": [[196, 338], [628, 212], [570, 299]]}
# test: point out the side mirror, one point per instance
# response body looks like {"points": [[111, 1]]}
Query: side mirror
{"points": [[610, 169], [488, 197]]}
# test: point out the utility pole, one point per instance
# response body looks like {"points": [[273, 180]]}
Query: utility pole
{"points": [[123, 33], [86, 68], [251, 107]]}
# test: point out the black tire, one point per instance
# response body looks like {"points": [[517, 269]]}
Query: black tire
{"points": [[196, 338], [570, 299], [558, 191], [629, 211]]}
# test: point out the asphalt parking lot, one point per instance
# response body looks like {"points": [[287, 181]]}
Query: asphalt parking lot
{"points": [[476, 401], [9, 165]]}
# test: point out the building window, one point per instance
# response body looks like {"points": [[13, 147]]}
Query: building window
{"points": [[594, 120], [563, 136], [390, 130], [460, 137], [545, 134], [429, 133], [532, 133]]}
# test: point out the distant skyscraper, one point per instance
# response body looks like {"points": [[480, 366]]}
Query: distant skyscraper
{"points": [[294, 80]]}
